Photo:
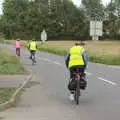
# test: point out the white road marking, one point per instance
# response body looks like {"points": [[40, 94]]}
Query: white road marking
{"points": [[88, 73], [54, 62], [110, 82], [46, 59], [40, 58], [59, 64], [115, 67]]}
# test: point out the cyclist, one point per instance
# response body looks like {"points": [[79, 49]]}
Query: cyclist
{"points": [[32, 47], [76, 58], [18, 46]]}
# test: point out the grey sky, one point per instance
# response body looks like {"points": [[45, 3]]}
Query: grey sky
{"points": [[1, 1], [77, 2]]}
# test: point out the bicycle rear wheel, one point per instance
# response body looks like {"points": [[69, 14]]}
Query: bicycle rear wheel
{"points": [[33, 59], [77, 91]]}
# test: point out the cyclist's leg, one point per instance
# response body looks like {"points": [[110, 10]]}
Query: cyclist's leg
{"points": [[83, 75], [83, 72], [34, 53], [35, 56], [16, 51], [30, 54], [19, 51], [81, 69], [72, 82], [72, 69]]}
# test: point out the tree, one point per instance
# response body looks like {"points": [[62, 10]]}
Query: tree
{"points": [[94, 9], [27, 19], [113, 21]]}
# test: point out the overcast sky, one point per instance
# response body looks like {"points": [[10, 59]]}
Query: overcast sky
{"points": [[77, 2]]}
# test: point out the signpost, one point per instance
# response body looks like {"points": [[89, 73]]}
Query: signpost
{"points": [[43, 36], [96, 29]]}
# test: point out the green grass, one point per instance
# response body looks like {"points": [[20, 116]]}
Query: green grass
{"points": [[6, 94], [53, 50], [10, 64], [110, 60], [99, 51], [9, 42]]}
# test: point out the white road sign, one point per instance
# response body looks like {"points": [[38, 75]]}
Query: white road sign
{"points": [[43, 36], [96, 28]]}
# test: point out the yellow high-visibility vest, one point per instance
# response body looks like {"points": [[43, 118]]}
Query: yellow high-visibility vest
{"points": [[76, 56], [33, 46]]}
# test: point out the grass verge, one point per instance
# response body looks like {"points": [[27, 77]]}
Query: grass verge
{"points": [[10, 64], [109, 60], [105, 59], [98, 51], [8, 42], [6, 94], [53, 50]]}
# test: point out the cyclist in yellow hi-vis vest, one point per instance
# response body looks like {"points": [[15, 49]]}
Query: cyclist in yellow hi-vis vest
{"points": [[76, 59], [32, 47]]}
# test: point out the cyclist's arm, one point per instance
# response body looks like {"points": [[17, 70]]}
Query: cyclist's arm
{"points": [[67, 57], [85, 57], [36, 47], [28, 46]]}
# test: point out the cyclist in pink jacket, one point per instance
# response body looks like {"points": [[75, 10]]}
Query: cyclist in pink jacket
{"points": [[18, 46]]}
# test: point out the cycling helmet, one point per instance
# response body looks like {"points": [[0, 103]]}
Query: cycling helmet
{"points": [[18, 39], [33, 39], [79, 42]]}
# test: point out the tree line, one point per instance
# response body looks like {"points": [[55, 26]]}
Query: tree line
{"points": [[61, 19]]}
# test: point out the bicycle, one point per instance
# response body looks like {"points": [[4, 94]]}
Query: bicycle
{"points": [[77, 92], [18, 51], [33, 58]]}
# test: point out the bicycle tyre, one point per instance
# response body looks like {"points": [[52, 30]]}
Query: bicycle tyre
{"points": [[33, 59], [77, 92]]}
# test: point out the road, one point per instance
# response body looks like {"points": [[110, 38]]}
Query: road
{"points": [[47, 97]]}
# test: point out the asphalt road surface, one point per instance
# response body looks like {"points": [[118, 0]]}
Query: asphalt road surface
{"points": [[47, 97]]}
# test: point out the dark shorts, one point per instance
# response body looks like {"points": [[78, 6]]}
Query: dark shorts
{"points": [[81, 68], [72, 83], [17, 50], [32, 52]]}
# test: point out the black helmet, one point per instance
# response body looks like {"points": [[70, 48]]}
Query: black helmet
{"points": [[33, 39], [18, 39], [79, 42]]}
